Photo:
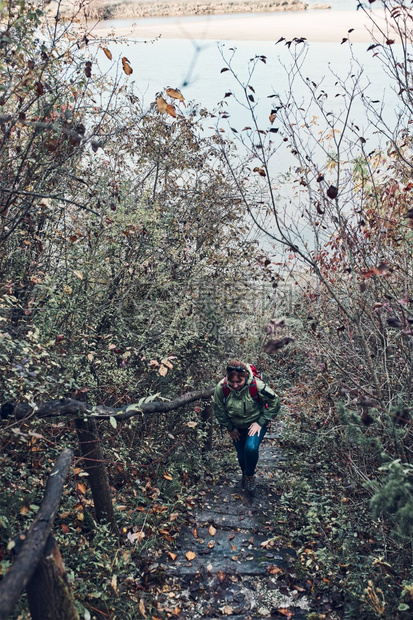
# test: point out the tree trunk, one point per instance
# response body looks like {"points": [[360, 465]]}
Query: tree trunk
{"points": [[93, 462], [207, 424], [50, 596]]}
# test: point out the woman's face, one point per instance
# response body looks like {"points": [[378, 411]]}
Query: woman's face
{"points": [[236, 382]]}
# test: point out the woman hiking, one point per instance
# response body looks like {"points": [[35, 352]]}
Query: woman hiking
{"points": [[244, 405]]}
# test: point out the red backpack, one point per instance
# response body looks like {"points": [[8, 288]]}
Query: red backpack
{"points": [[252, 387]]}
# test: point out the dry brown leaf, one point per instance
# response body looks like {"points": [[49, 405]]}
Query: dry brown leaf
{"points": [[108, 53], [142, 608], [162, 105], [221, 576], [173, 556], [211, 544], [166, 362], [190, 555], [171, 110], [126, 66], [163, 370], [175, 94], [81, 487], [114, 584], [227, 610], [212, 531], [260, 171]]}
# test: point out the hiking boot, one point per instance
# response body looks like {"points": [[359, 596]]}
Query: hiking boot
{"points": [[243, 481], [250, 484]]}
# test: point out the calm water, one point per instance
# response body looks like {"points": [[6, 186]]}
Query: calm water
{"points": [[195, 68]]}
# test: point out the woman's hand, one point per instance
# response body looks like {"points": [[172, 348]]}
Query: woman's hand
{"points": [[254, 429], [234, 434]]}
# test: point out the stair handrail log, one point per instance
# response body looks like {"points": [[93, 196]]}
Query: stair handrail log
{"points": [[27, 560]]}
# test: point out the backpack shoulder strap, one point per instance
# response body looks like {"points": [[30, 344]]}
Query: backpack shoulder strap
{"points": [[254, 389], [225, 390]]}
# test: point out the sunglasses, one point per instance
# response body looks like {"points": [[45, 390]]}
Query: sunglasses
{"points": [[236, 369]]}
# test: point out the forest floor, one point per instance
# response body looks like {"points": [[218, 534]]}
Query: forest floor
{"points": [[231, 559]]}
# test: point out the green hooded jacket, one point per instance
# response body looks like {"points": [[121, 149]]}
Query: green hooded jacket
{"points": [[240, 409]]}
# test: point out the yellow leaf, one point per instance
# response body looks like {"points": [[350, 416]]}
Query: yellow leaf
{"points": [[24, 510], [126, 66], [81, 487], [175, 94], [167, 476], [162, 105], [107, 53], [190, 555], [212, 530]]}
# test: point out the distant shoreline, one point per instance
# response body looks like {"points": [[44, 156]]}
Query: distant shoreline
{"points": [[139, 9], [311, 26]]}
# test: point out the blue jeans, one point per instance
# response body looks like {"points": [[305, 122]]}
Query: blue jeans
{"points": [[247, 450]]}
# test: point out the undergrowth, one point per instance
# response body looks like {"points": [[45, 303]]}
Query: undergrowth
{"points": [[359, 566], [155, 467]]}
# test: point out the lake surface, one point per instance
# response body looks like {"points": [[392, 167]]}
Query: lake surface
{"points": [[194, 65]]}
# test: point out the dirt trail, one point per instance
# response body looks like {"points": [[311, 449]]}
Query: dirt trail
{"points": [[228, 562]]}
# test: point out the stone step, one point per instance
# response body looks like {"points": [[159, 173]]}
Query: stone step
{"points": [[232, 553]]}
